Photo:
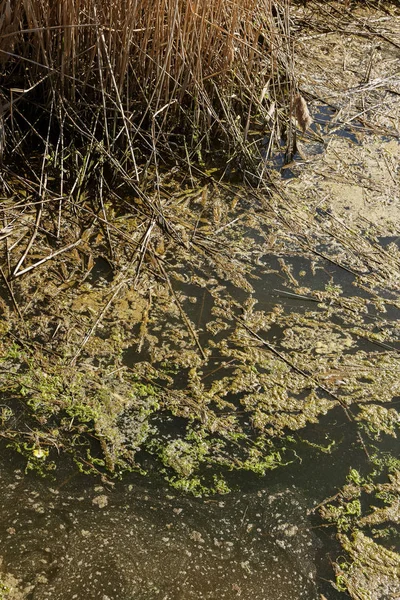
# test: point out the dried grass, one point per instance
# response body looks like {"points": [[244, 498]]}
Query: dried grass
{"points": [[99, 100]]}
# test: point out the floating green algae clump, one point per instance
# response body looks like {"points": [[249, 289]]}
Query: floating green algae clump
{"points": [[369, 536], [10, 587]]}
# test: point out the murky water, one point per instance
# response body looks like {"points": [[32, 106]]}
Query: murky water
{"points": [[74, 539], [77, 538]]}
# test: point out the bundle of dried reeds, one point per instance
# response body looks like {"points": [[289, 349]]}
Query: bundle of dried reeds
{"points": [[132, 72]]}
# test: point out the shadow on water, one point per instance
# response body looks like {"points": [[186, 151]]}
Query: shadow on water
{"points": [[325, 119], [325, 125]]}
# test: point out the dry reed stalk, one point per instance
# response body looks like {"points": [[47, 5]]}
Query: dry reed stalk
{"points": [[139, 55]]}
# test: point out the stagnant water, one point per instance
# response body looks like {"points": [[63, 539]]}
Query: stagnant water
{"points": [[77, 538], [73, 537], [87, 541]]}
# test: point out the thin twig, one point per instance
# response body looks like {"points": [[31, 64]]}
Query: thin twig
{"points": [[30, 243], [49, 257], [96, 323], [293, 366]]}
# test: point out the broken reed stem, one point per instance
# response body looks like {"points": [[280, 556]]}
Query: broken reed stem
{"points": [[46, 258], [98, 320]]}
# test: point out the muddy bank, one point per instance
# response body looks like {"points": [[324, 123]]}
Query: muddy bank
{"points": [[348, 163]]}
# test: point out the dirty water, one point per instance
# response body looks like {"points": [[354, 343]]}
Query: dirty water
{"points": [[75, 537], [82, 540]]}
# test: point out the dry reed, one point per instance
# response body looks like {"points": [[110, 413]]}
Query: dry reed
{"points": [[142, 77]]}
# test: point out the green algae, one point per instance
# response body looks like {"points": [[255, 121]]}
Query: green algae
{"points": [[10, 587], [176, 338], [378, 420], [210, 351], [371, 568]]}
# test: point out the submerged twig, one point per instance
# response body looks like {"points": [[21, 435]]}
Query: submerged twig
{"points": [[49, 257], [293, 366], [96, 323]]}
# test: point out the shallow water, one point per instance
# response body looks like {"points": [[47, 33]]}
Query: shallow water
{"points": [[73, 537], [77, 540]]}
